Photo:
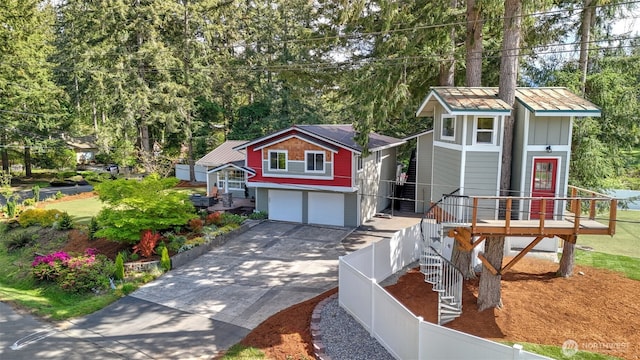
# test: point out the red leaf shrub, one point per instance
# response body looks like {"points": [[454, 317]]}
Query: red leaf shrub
{"points": [[214, 218], [147, 243], [196, 225]]}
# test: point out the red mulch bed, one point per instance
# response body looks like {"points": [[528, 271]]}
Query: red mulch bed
{"points": [[598, 309]]}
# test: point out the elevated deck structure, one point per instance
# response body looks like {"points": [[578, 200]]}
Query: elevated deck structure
{"points": [[471, 219]]}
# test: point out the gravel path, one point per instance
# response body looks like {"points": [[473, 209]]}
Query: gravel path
{"points": [[345, 339]]}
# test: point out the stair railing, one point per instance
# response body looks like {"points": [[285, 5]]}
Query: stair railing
{"points": [[448, 283]]}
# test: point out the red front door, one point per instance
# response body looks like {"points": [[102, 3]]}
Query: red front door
{"points": [[543, 184]]}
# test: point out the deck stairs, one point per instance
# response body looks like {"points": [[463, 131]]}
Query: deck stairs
{"points": [[441, 273], [409, 188]]}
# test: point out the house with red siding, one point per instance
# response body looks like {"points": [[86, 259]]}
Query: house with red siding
{"points": [[318, 174]]}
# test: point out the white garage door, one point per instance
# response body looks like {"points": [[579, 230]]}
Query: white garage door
{"points": [[285, 205], [326, 208]]}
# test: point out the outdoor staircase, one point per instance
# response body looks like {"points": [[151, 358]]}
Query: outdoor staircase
{"points": [[438, 271], [409, 188]]}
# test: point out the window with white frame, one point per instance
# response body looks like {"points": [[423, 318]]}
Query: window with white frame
{"points": [[358, 162], [378, 157], [233, 179], [314, 161], [277, 160], [448, 128], [485, 130]]}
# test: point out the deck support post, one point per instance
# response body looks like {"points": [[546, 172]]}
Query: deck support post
{"points": [[521, 254], [567, 261]]}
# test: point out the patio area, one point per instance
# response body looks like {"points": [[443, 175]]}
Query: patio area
{"points": [[236, 206]]}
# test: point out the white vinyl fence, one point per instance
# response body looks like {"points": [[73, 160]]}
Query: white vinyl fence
{"points": [[404, 335], [182, 172]]}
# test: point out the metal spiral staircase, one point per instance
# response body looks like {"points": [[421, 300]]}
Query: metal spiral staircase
{"points": [[438, 271]]}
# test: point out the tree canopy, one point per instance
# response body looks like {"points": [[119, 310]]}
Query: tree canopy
{"points": [[189, 74]]}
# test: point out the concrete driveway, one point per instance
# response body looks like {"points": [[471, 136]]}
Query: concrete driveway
{"points": [[209, 304]]}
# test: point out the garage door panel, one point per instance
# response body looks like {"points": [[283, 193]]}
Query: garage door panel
{"points": [[326, 208], [285, 205]]}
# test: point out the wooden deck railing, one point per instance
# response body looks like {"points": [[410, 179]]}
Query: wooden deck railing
{"points": [[573, 221]]}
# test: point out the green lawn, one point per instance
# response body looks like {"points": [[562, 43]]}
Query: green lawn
{"points": [[625, 242], [80, 210]]}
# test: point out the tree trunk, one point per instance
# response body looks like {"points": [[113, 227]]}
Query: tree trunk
{"points": [[27, 161], [461, 259], [473, 44], [567, 260], [5, 159], [145, 143], [585, 34], [448, 65], [489, 290], [508, 81], [187, 68]]}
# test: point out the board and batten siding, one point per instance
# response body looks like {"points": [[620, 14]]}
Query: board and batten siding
{"points": [[446, 171], [544, 130], [424, 168]]}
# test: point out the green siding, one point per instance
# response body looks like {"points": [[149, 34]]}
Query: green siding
{"points": [[446, 171], [351, 209], [481, 178], [518, 148], [481, 173], [262, 200], [544, 130], [423, 168]]}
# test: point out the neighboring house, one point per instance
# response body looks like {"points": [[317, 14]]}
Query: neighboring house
{"points": [[224, 168], [317, 174], [85, 148]]}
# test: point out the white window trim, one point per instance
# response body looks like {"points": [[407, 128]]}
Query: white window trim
{"points": [[324, 161], [475, 130], [221, 180], [378, 157], [359, 163], [286, 159], [442, 136]]}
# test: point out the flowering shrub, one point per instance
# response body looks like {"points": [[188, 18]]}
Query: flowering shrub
{"points": [[87, 272], [49, 267]]}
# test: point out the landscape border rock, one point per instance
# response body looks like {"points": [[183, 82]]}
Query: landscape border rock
{"points": [[180, 259]]}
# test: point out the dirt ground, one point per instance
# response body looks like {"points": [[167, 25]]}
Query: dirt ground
{"points": [[599, 310]]}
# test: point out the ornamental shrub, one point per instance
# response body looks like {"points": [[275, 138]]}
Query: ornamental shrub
{"points": [[147, 243], [165, 261], [132, 206], [64, 222], [93, 228], [119, 273], [196, 225], [42, 217], [214, 218], [36, 193], [87, 272]]}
